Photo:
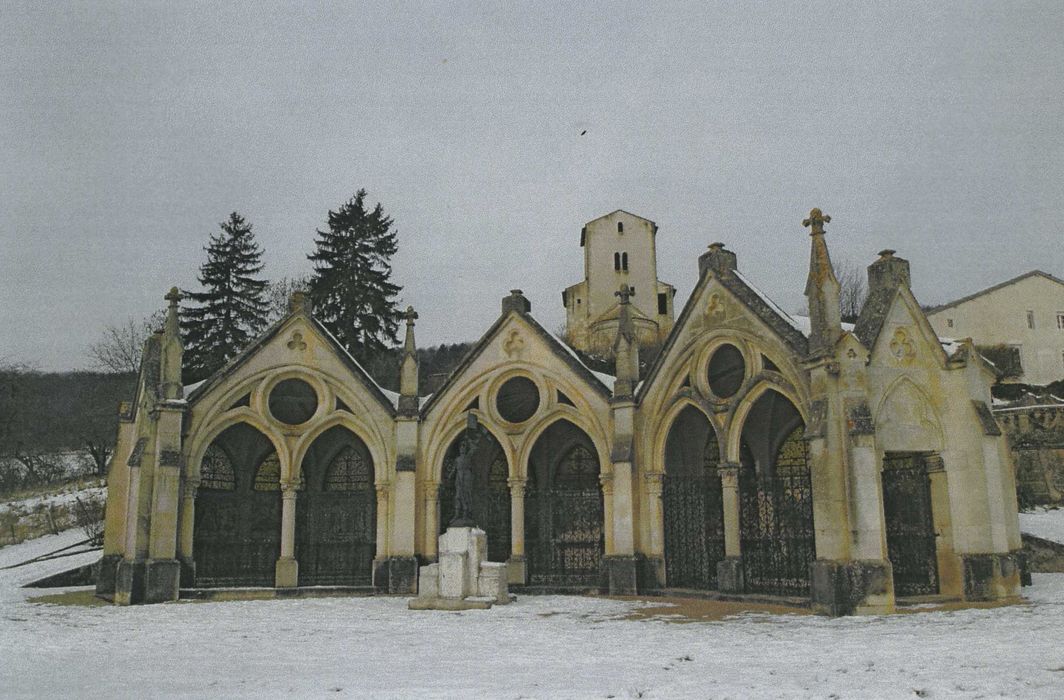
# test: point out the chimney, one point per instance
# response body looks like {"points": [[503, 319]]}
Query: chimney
{"points": [[300, 303], [516, 302], [888, 272], [717, 259]]}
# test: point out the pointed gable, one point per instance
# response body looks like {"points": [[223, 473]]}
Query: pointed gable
{"points": [[904, 332], [296, 339], [722, 295], [508, 340]]}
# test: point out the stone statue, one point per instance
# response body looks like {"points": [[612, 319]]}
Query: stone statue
{"points": [[462, 470]]}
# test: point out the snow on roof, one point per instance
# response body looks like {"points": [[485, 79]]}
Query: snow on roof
{"points": [[368, 376], [607, 379]]}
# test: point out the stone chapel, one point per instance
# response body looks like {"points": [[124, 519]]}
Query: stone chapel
{"points": [[799, 458]]}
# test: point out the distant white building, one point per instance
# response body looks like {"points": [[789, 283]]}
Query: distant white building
{"points": [[1026, 312]]}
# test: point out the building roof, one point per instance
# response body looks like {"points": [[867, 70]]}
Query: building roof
{"points": [[988, 290], [583, 231]]}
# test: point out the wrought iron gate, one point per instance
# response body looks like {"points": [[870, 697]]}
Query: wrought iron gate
{"points": [[491, 503], [563, 524], [237, 533], [694, 521], [776, 522], [910, 523], [336, 523]]}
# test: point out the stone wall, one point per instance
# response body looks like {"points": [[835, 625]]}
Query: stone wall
{"points": [[1036, 437]]}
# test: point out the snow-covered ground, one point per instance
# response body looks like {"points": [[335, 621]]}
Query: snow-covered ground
{"points": [[1047, 523], [542, 647]]}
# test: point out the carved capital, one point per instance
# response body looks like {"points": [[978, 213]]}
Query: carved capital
{"points": [[191, 486], [430, 491], [517, 487], [289, 489], [382, 490], [606, 481], [729, 475], [655, 482], [935, 464]]}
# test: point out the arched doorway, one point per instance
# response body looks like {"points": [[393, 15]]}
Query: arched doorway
{"points": [[563, 510], [491, 493], [237, 530], [336, 512], [776, 499], [692, 503]]}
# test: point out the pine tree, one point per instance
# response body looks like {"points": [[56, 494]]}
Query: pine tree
{"points": [[233, 308], [351, 288]]}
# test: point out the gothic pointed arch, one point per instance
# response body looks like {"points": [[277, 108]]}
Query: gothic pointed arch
{"points": [[336, 518], [491, 492], [776, 499], [237, 524], [564, 530], [692, 502]]}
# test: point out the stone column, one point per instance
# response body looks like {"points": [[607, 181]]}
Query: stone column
{"points": [[430, 498], [286, 574], [516, 568], [655, 482], [950, 574], [730, 570], [382, 518], [187, 532], [606, 481]]}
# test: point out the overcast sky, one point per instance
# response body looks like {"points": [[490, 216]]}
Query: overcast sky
{"points": [[128, 131]]}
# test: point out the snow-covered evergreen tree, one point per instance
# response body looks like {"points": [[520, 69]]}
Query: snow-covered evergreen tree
{"points": [[232, 308], [351, 288]]}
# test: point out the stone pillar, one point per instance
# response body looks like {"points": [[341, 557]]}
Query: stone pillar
{"points": [[606, 481], [516, 569], [950, 573], [730, 570], [162, 570], [187, 532], [115, 523], [654, 573], [382, 518], [430, 499], [286, 574]]}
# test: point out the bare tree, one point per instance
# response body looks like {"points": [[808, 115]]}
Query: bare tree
{"points": [[119, 347], [279, 292], [852, 290]]}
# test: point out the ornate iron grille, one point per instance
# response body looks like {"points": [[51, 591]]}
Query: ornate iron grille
{"points": [[692, 502], [563, 524], [776, 521], [336, 525], [216, 470], [910, 524], [237, 533]]}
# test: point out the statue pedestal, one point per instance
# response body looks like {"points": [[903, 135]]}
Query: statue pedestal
{"points": [[462, 579]]}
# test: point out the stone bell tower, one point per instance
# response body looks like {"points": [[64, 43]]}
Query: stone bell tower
{"points": [[619, 250]]}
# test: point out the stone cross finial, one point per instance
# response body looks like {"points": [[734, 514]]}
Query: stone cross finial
{"points": [[173, 296], [410, 315], [624, 293], [816, 221]]}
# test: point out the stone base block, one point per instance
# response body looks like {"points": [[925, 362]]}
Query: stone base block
{"points": [[188, 573], [650, 573], [428, 581], [515, 570], [129, 582], [491, 583], [396, 575], [852, 587], [622, 575], [730, 575], [420, 603], [286, 573], [162, 580], [991, 576], [106, 574]]}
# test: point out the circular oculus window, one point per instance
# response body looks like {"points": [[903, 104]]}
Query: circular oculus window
{"points": [[726, 371], [517, 400], [293, 401]]}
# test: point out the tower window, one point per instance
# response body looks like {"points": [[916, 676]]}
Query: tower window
{"points": [[620, 227], [1060, 321], [616, 261], [1030, 320], [624, 261], [663, 303], [949, 323]]}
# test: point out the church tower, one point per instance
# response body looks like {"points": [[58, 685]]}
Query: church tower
{"points": [[619, 249]]}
